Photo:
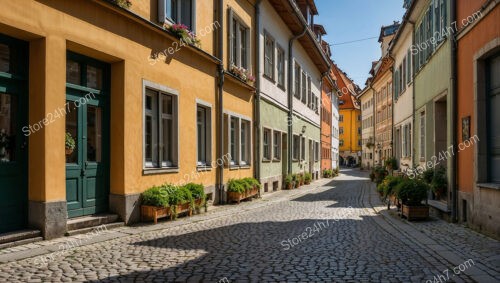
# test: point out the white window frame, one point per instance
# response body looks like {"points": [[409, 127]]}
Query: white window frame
{"points": [[280, 66], [246, 147], [164, 6], [268, 156], [269, 62], [422, 135], [303, 148], [276, 145], [296, 148], [235, 35], [157, 122], [297, 80], [207, 143]]}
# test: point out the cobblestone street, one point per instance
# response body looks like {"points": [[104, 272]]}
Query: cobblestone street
{"points": [[330, 233]]}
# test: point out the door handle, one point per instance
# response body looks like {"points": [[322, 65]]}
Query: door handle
{"points": [[82, 172]]}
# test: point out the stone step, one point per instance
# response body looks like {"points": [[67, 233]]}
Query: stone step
{"points": [[20, 242], [90, 221], [91, 229], [19, 235]]}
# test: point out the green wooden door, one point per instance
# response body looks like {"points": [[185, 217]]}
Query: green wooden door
{"points": [[13, 140], [87, 121]]}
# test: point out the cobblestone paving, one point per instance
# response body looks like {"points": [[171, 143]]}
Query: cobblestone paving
{"points": [[327, 235]]}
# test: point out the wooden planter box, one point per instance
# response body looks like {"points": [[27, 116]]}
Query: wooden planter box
{"points": [[237, 197], [197, 205], [153, 213], [180, 208], [415, 212]]}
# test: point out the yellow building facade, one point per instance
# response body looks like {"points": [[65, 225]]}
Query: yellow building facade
{"points": [[142, 107]]}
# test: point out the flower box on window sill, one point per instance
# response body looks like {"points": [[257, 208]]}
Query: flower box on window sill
{"points": [[184, 34], [242, 74], [125, 4]]}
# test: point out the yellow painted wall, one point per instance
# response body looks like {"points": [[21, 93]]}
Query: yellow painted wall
{"points": [[350, 125], [88, 28]]}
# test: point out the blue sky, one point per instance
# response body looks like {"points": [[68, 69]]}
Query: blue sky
{"points": [[348, 20]]}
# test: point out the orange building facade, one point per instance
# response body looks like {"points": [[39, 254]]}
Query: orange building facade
{"points": [[478, 91]]}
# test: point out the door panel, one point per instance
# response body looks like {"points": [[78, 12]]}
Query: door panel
{"points": [[87, 167], [13, 140]]}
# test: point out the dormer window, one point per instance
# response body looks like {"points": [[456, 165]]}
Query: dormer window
{"points": [[177, 12]]}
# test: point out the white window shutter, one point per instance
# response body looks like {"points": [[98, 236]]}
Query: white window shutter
{"points": [[161, 10]]}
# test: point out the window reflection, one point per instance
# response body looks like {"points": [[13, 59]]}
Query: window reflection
{"points": [[72, 129], [8, 113], [94, 133]]}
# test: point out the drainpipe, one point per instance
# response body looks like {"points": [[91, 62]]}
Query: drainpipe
{"points": [[257, 92], [290, 97], [220, 69], [413, 130], [454, 108]]}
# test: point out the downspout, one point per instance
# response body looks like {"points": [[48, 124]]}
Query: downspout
{"points": [[257, 92], [453, 98], [413, 128], [220, 185], [290, 97]]}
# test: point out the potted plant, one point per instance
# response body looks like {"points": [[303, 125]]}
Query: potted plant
{"points": [[242, 73], [307, 178], [391, 163], [180, 200], [183, 32], [126, 4], [439, 183], [428, 175], [301, 178], [380, 174], [296, 180], [199, 196], [387, 189], [154, 204], [288, 182], [327, 173], [411, 193], [70, 144], [236, 190], [253, 186]]}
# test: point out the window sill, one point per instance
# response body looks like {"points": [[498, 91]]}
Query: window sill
{"points": [[492, 186], [269, 78], [154, 171], [442, 206], [276, 160], [265, 160], [238, 167], [203, 168], [282, 87]]}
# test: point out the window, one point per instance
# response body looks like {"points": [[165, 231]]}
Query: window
{"points": [[160, 129], [269, 56], [492, 106], [303, 148], [297, 80], [359, 130], [239, 141], [341, 118], [281, 67], [408, 68], [310, 101], [204, 132], [239, 42], [245, 143], [266, 144], [234, 140], [276, 145], [341, 130], [316, 151], [178, 12], [296, 147], [422, 135], [304, 88], [341, 142], [359, 143]]}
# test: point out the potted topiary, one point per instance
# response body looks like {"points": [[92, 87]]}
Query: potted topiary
{"points": [[180, 200], [439, 183], [307, 178], [288, 182], [388, 189], [199, 196], [70, 144], [411, 193], [154, 204]]}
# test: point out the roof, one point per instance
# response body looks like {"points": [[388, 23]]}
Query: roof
{"points": [[319, 29], [388, 30]]}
